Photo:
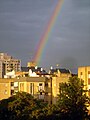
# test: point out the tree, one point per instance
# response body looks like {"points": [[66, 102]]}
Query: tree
{"points": [[21, 106], [71, 105], [72, 101]]}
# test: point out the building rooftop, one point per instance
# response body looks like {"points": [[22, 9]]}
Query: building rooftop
{"points": [[25, 69], [62, 70]]}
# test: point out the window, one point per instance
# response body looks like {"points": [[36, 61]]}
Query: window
{"points": [[12, 92], [15, 84], [31, 88], [89, 92], [89, 81], [46, 84], [41, 96], [40, 84], [5, 92], [31, 85], [81, 73], [12, 83], [89, 74], [21, 86], [41, 87], [46, 93]]}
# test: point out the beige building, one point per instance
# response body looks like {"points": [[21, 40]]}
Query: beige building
{"points": [[45, 87], [36, 86], [31, 64], [58, 76], [8, 63], [84, 74]]}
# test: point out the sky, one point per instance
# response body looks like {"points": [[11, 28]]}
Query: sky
{"points": [[22, 23]]}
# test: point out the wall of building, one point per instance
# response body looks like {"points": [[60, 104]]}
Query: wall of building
{"points": [[5, 88], [40, 87], [33, 85], [8, 63], [84, 74], [55, 86]]}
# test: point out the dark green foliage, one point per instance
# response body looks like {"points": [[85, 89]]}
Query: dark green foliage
{"points": [[72, 100], [22, 106]]}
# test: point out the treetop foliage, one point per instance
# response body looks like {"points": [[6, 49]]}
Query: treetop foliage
{"points": [[72, 99]]}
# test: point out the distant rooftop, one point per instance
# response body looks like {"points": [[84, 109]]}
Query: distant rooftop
{"points": [[62, 70], [38, 70]]}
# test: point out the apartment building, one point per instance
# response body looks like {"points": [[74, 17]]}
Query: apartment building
{"points": [[84, 74], [36, 86], [59, 75], [41, 85], [8, 63]]}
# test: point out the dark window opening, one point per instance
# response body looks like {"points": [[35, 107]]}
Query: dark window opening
{"points": [[40, 93], [12, 92], [40, 84], [12, 83]]}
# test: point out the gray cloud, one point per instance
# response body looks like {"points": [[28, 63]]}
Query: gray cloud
{"points": [[22, 24]]}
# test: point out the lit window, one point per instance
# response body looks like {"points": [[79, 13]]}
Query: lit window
{"points": [[15, 84], [5, 92], [21, 86], [88, 74]]}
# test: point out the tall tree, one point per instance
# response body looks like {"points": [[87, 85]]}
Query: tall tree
{"points": [[21, 106], [72, 101]]}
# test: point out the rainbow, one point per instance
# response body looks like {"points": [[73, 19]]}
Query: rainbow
{"points": [[47, 32]]}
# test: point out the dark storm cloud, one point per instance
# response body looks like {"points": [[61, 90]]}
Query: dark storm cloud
{"points": [[23, 22], [20, 26], [72, 35]]}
